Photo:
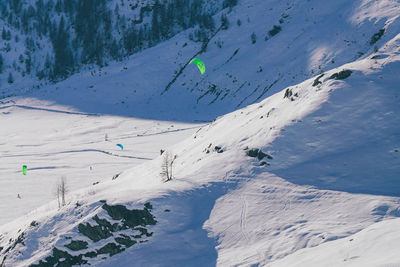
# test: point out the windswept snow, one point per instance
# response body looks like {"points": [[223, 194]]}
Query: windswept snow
{"points": [[376, 245]]}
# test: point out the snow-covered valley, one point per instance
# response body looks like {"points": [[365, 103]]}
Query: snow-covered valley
{"points": [[53, 141]]}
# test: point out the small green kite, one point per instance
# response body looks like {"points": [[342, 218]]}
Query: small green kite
{"points": [[199, 64], [24, 169]]}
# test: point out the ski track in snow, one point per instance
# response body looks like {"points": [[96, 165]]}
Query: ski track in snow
{"points": [[74, 151], [243, 218], [50, 110]]}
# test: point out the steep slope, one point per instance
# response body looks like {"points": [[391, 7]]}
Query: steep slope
{"points": [[234, 182], [52, 39], [258, 48]]}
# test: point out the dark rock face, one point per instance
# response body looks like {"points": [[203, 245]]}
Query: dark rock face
{"points": [[110, 249], [341, 75], [135, 220], [61, 258], [76, 245], [131, 218], [125, 240], [288, 93], [95, 233], [275, 30], [377, 36], [257, 153], [218, 149], [317, 81]]}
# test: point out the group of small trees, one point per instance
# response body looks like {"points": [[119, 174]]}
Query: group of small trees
{"points": [[166, 166], [166, 175], [61, 191]]}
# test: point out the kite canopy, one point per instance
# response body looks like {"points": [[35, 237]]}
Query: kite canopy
{"points": [[24, 169], [121, 146], [199, 64]]}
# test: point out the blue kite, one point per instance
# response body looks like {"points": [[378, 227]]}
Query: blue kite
{"points": [[121, 146]]}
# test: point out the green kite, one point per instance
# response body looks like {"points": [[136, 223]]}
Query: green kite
{"points": [[199, 64], [24, 169]]}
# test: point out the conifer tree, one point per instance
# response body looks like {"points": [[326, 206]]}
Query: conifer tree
{"points": [[1, 63], [10, 79]]}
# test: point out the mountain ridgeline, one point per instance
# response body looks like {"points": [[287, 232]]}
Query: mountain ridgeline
{"points": [[54, 38]]}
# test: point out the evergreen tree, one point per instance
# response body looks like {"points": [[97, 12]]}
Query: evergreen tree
{"points": [[163, 21], [1, 63], [253, 38], [47, 63], [140, 37], [28, 62], [154, 22], [224, 22], [114, 50], [58, 6], [25, 21], [130, 40], [63, 54], [3, 34], [179, 10], [8, 35], [229, 3], [10, 78]]}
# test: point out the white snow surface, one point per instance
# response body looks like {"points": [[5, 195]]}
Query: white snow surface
{"points": [[55, 141], [333, 175], [372, 246]]}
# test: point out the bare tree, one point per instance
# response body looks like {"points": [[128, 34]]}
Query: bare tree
{"points": [[61, 191], [166, 166], [170, 166], [57, 193]]}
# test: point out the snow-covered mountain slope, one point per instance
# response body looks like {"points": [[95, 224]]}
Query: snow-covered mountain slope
{"points": [[254, 206], [281, 179], [135, 88], [373, 246], [292, 41], [52, 39]]}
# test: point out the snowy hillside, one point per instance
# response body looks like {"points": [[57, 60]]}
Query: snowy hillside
{"points": [[293, 41], [370, 247], [301, 168], [51, 39], [259, 215]]}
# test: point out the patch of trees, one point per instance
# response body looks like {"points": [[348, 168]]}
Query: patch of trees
{"points": [[94, 32]]}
